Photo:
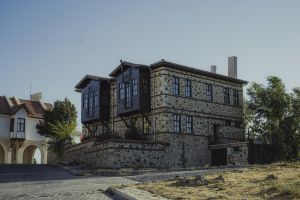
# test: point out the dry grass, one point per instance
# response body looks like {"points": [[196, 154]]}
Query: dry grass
{"points": [[276, 181]]}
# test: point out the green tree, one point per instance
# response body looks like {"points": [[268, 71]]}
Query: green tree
{"points": [[274, 117], [59, 124]]}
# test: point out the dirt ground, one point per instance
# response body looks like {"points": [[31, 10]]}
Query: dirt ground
{"points": [[276, 181]]}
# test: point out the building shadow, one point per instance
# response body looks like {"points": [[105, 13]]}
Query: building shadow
{"points": [[27, 173]]}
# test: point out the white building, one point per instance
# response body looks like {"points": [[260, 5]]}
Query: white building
{"points": [[19, 138]]}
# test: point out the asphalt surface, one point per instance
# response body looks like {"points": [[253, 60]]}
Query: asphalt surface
{"points": [[21, 173]]}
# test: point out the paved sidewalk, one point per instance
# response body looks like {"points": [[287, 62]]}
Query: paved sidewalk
{"points": [[132, 193], [81, 189], [38, 182]]}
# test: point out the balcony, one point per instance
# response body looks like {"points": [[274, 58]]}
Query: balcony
{"points": [[17, 135]]}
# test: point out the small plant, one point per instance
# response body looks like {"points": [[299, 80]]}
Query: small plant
{"points": [[107, 135], [133, 132]]}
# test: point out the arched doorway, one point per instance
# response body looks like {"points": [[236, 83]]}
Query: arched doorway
{"points": [[37, 157], [29, 155], [2, 155]]}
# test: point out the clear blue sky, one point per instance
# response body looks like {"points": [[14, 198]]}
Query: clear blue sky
{"points": [[53, 44]]}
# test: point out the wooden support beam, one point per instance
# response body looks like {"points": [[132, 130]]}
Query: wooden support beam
{"points": [[127, 125], [144, 116]]}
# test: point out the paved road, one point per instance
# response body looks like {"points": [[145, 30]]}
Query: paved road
{"points": [[50, 182]]}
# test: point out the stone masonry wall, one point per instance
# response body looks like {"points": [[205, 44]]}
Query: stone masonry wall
{"points": [[119, 154], [238, 155], [176, 151], [185, 151], [77, 152]]}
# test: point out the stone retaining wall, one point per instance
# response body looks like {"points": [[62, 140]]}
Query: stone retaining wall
{"points": [[239, 155], [118, 154], [186, 150], [172, 151]]}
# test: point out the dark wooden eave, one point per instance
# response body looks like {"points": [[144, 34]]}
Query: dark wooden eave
{"points": [[164, 63], [126, 65], [86, 79]]}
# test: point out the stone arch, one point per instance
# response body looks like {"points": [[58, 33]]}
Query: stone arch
{"points": [[2, 154], [26, 153], [4, 157]]}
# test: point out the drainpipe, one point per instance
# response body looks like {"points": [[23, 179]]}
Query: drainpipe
{"points": [[154, 119], [112, 123]]}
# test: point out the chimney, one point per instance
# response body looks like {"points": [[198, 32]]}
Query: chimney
{"points": [[36, 97], [9, 102], [232, 67], [213, 69], [17, 100]]}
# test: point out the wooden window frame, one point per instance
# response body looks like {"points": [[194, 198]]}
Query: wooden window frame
{"points": [[176, 86], [177, 123], [236, 98], [226, 93], [209, 92], [188, 88], [21, 126], [189, 124]]}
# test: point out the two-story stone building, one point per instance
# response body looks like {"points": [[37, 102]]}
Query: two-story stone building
{"points": [[198, 113]]}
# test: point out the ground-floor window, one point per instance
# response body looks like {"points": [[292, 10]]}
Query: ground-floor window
{"points": [[145, 126], [177, 126], [189, 124]]}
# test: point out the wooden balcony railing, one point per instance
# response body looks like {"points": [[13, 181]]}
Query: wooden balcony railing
{"points": [[17, 135]]}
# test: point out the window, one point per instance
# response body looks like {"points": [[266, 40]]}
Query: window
{"points": [[237, 124], [189, 124], [177, 120], [236, 149], [236, 98], [134, 87], [176, 90], [21, 125], [227, 123], [96, 97], [226, 96], [209, 94], [12, 124], [91, 103], [188, 88], [121, 91], [95, 130], [128, 95], [145, 126], [85, 100]]}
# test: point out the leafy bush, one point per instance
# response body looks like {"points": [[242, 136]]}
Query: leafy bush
{"points": [[107, 135], [133, 132]]}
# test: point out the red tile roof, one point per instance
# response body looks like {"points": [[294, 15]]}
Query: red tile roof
{"points": [[34, 108]]}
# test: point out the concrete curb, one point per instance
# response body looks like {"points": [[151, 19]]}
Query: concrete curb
{"points": [[116, 193], [69, 170]]}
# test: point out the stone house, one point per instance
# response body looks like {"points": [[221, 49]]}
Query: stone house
{"points": [[188, 117], [19, 138]]}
